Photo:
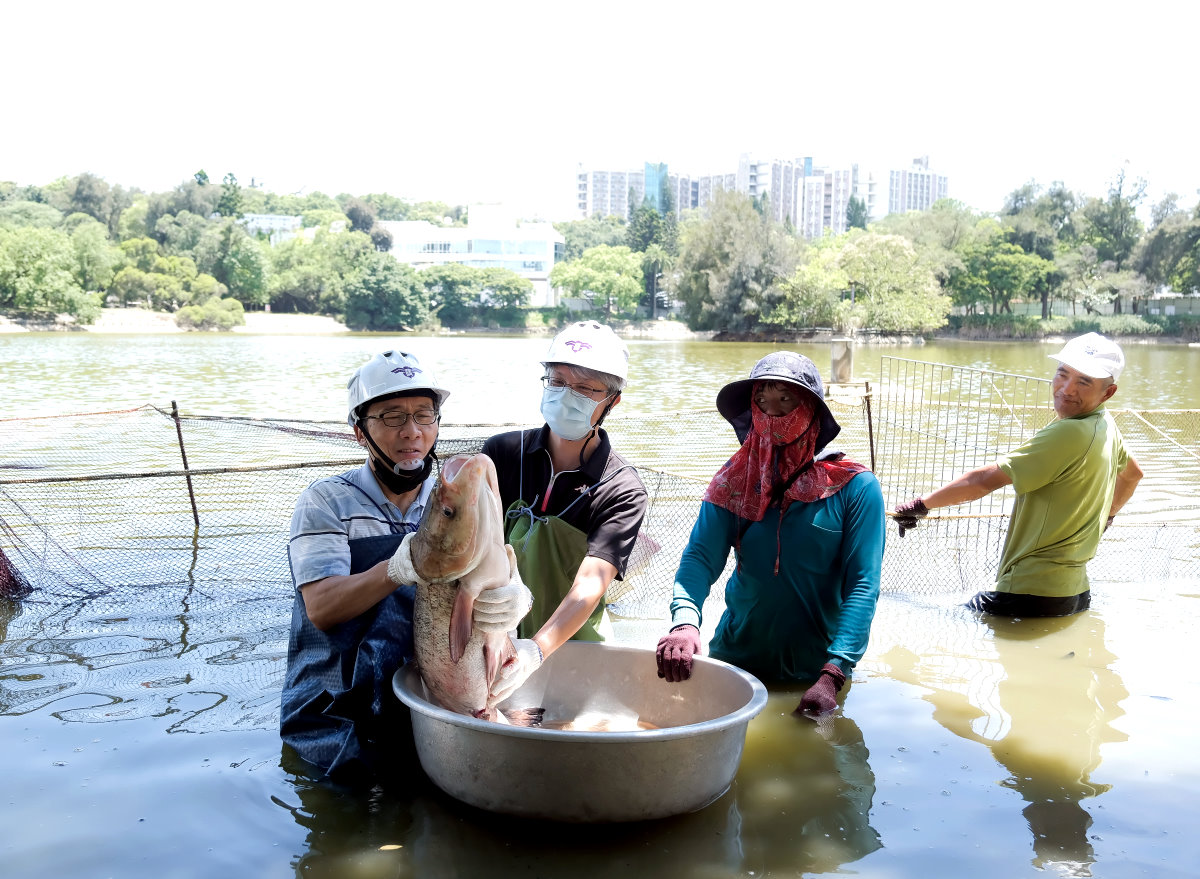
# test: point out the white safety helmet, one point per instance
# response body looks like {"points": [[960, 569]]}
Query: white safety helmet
{"points": [[389, 373], [591, 345]]}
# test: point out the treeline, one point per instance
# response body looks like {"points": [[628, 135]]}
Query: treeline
{"points": [[71, 246], [730, 267]]}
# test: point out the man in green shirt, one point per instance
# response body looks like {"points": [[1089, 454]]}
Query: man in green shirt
{"points": [[1071, 478]]}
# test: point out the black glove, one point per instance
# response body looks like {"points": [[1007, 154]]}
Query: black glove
{"points": [[675, 652], [909, 512]]}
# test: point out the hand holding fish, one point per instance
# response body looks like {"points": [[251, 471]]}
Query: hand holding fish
{"points": [[400, 569], [500, 608], [517, 670]]}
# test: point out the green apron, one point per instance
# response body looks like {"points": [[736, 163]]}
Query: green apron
{"points": [[549, 552]]}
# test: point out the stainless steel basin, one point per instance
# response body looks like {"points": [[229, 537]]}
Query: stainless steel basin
{"points": [[688, 760]]}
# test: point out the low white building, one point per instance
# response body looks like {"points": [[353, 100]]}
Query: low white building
{"points": [[492, 238]]}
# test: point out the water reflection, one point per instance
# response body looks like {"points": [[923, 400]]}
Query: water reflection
{"points": [[1042, 695], [801, 802]]}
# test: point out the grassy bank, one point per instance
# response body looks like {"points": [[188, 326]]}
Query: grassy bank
{"points": [[1001, 327]]}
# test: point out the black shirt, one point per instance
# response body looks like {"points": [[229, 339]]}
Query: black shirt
{"points": [[610, 515]]}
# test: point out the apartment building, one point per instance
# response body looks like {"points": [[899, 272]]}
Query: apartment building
{"points": [[915, 188]]}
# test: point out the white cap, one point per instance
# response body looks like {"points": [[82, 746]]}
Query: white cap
{"points": [[1093, 355], [591, 345], [389, 373]]}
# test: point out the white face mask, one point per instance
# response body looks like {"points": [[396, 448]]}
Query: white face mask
{"points": [[568, 415]]}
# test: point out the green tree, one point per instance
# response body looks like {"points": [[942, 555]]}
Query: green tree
{"points": [[995, 271], [201, 177], [215, 314], [611, 275], [228, 253], [892, 283], [504, 289], [309, 277], [646, 227], [21, 213], [817, 295], [140, 253], [36, 276], [856, 213], [385, 295], [453, 292], [180, 233], [230, 203], [360, 214], [1169, 254], [579, 235], [95, 259], [731, 265], [656, 264], [1111, 225]]}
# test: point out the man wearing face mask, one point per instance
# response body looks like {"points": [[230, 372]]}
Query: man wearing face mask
{"points": [[352, 569], [573, 505], [806, 526]]}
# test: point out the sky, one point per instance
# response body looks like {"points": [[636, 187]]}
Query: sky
{"points": [[473, 102]]}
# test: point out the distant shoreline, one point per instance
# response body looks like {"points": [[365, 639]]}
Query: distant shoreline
{"points": [[142, 321], [128, 321]]}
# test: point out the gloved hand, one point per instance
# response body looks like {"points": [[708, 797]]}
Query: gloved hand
{"points": [[400, 568], [518, 669], [500, 608], [821, 697], [675, 652], [909, 512]]}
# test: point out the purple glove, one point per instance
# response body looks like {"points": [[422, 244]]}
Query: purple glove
{"points": [[909, 512], [821, 697], [675, 652]]}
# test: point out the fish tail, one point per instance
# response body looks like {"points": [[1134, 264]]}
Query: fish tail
{"points": [[524, 716]]}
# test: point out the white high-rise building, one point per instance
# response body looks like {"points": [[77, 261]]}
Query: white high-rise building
{"points": [[915, 189], [606, 193]]}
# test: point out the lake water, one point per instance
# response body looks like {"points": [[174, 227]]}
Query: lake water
{"points": [[140, 737]]}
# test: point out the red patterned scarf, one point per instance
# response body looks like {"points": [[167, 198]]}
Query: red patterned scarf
{"points": [[778, 448]]}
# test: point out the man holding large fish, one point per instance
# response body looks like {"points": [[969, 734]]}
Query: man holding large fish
{"points": [[573, 505], [352, 558]]}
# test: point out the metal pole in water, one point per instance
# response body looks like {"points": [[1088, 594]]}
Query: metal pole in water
{"points": [[842, 357], [186, 473]]}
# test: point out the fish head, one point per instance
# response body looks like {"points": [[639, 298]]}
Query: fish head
{"points": [[461, 519]]}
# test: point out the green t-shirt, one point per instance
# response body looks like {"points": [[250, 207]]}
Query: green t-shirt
{"points": [[1064, 477]]}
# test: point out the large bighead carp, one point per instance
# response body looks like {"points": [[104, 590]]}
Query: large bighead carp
{"points": [[459, 551]]}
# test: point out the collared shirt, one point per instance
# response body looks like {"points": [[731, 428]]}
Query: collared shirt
{"points": [[610, 515], [335, 510], [336, 696]]}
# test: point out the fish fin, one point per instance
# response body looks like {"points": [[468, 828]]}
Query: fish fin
{"points": [[524, 716], [461, 623]]}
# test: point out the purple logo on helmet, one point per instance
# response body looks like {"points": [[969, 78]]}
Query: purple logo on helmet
{"points": [[577, 346], [408, 371]]}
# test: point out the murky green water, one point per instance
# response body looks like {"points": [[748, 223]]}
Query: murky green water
{"points": [[139, 739]]}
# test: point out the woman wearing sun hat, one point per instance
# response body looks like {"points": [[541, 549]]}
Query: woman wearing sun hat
{"points": [[807, 528]]}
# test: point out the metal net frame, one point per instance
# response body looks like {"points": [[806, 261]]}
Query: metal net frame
{"points": [[936, 421], [126, 502]]}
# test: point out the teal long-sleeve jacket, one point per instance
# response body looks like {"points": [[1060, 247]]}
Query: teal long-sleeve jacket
{"points": [[817, 609]]}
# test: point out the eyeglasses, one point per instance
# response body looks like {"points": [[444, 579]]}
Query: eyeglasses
{"points": [[423, 417], [550, 381]]}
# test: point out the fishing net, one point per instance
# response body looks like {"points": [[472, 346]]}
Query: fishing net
{"points": [[150, 498], [144, 571]]}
